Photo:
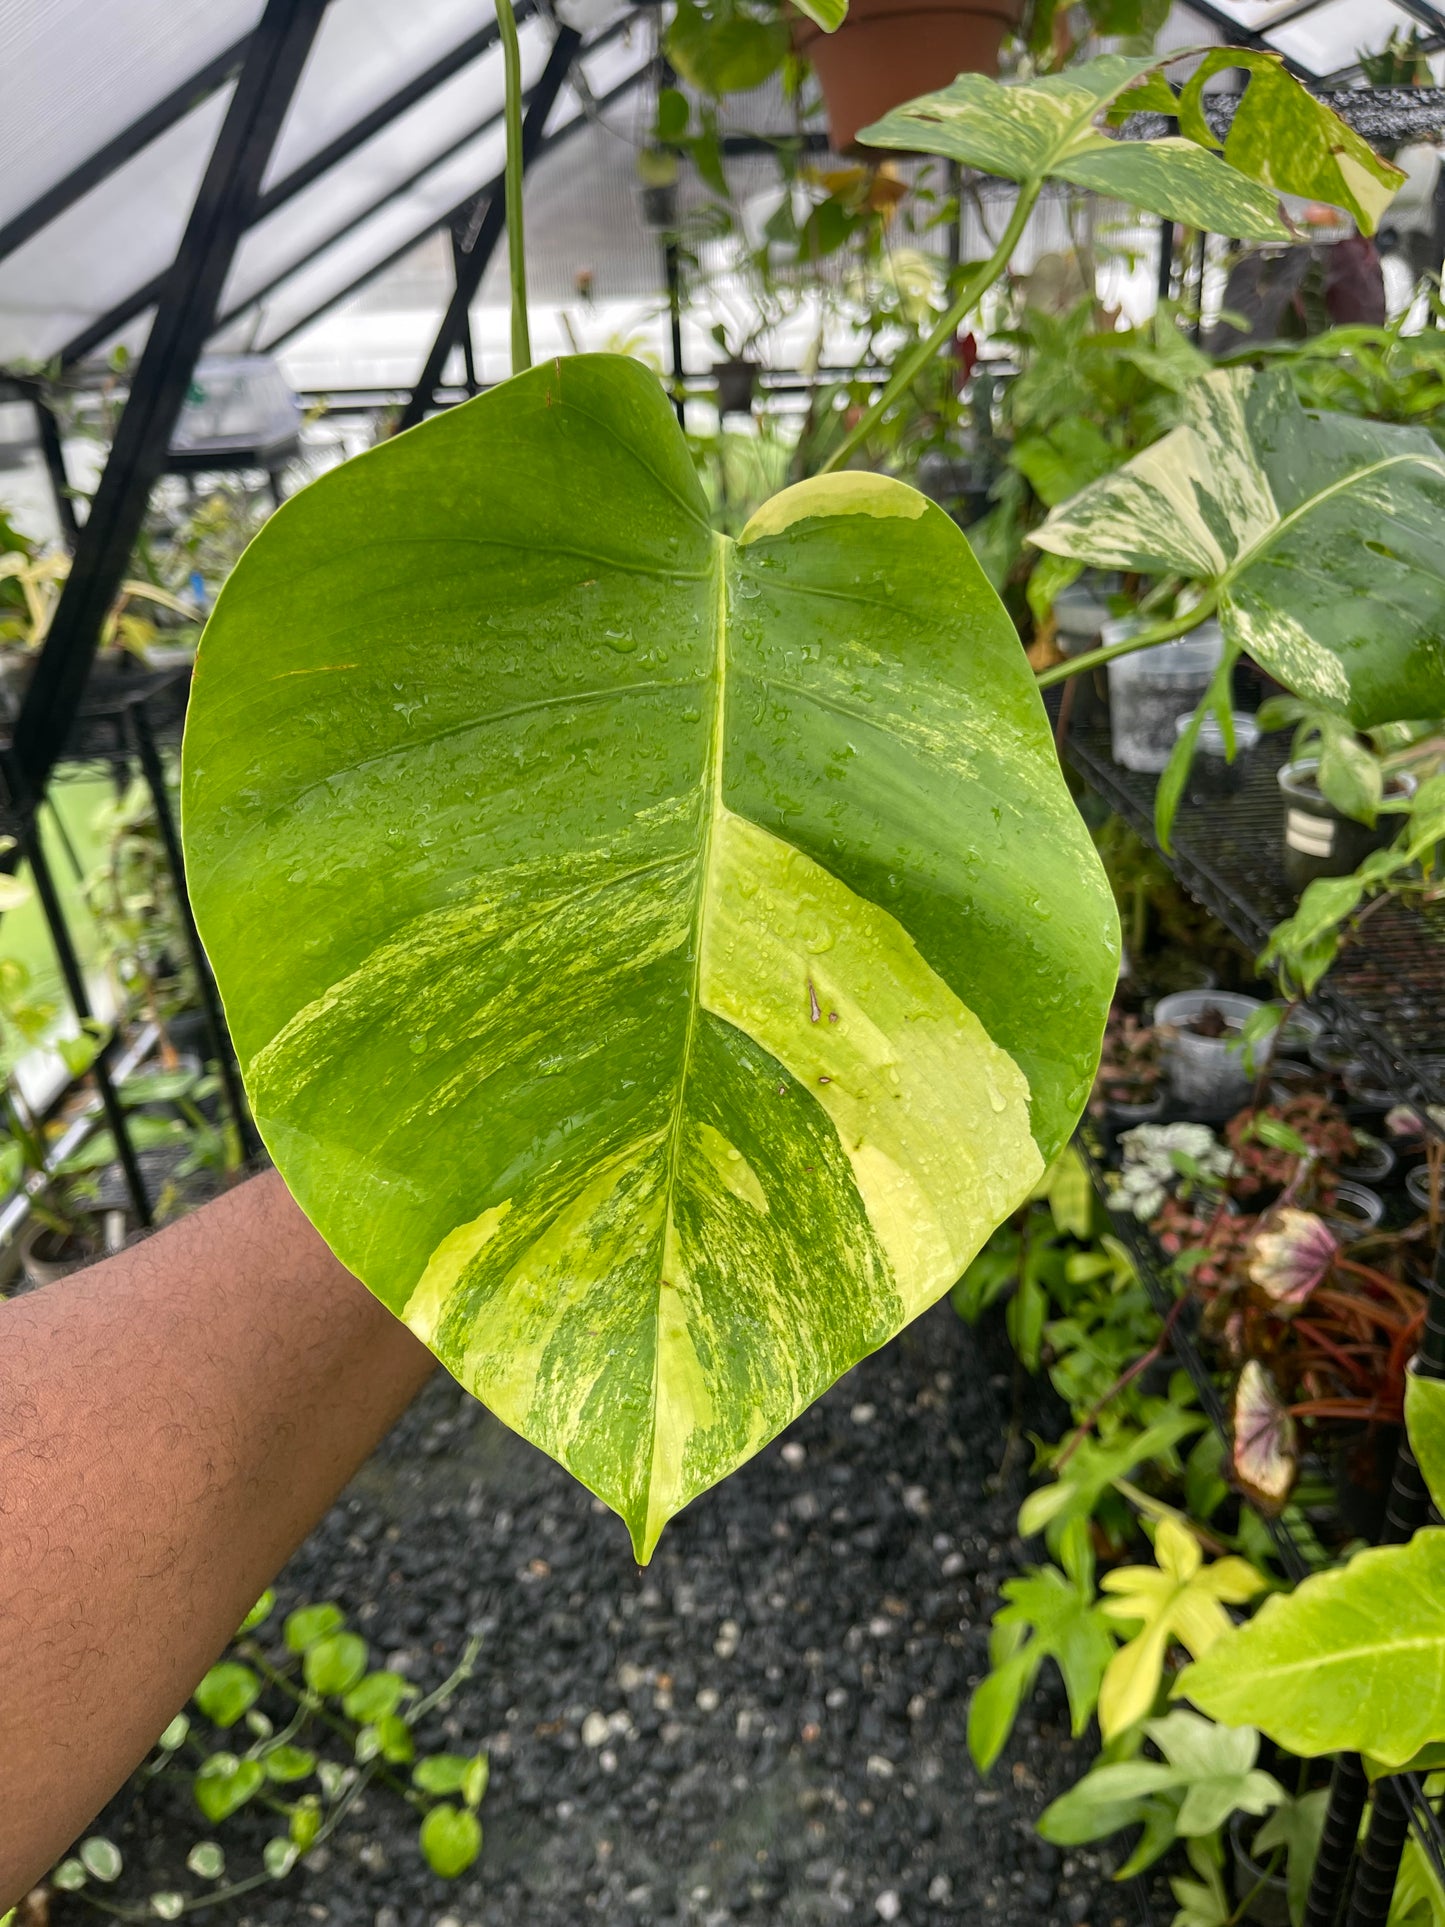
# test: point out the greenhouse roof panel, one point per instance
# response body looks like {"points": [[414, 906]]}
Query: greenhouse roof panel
{"points": [[405, 216], [365, 50], [113, 240], [77, 74], [444, 124], [396, 102]]}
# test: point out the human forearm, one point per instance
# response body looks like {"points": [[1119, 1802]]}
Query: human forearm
{"points": [[172, 1423]]}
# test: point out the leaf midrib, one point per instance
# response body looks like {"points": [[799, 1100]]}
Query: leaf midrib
{"points": [[1301, 510], [712, 786]]}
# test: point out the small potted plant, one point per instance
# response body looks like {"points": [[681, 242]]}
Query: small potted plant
{"points": [[1341, 793], [889, 51], [1210, 1073], [1129, 1088]]}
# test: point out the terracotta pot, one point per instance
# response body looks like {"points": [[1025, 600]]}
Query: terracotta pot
{"points": [[889, 51]]}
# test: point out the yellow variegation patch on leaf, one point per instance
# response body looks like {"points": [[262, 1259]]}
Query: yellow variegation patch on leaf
{"points": [[1181, 1599], [644, 950]]}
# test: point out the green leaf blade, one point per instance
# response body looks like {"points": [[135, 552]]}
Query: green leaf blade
{"points": [[1316, 533], [1352, 1661], [603, 847]]}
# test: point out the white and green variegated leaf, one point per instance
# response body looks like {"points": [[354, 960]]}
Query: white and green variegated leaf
{"points": [[1282, 135], [1048, 129], [1352, 1661], [1318, 534], [657, 962]]}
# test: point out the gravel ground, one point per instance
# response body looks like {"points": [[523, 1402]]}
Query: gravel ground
{"points": [[765, 1725]]}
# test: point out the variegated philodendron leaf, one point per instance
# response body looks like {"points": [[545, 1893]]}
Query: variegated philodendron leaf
{"points": [[1032, 131], [1283, 136], [1319, 534], [657, 962]]}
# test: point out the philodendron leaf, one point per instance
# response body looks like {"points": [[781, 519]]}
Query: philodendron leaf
{"points": [[1283, 135], [1352, 1661], [1425, 1422], [657, 962], [1048, 129], [1319, 535], [1047, 1614]]}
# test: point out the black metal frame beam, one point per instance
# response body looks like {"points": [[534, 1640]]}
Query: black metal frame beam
{"points": [[224, 203], [332, 155], [549, 143], [474, 256], [123, 147], [28, 388], [394, 193]]}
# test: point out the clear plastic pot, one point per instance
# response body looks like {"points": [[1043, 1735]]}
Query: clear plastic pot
{"points": [[1417, 1183], [1081, 612], [1211, 773], [1209, 1077], [1356, 1211], [1152, 688]]}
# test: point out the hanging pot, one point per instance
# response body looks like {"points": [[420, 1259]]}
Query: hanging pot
{"points": [[890, 51]]}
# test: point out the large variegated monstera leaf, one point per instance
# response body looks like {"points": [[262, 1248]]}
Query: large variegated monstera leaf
{"points": [[656, 962], [1318, 536]]}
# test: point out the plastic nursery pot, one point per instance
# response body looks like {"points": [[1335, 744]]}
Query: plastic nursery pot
{"points": [[1260, 1896], [890, 51], [1331, 1054], [1124, 1116], [1373, 1163], [736, 381], [1081, 612], [1288, 1080], [1208, 1076], [1152, 689], [1363, 1088], [1356, 1211], [45, 1255], [1211, 774], [1298, 1033], [1417, 1183], [1319, 841]]}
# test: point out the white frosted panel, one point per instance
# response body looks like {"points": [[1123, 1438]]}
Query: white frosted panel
{"points": [[75, 73], [108, 244]]}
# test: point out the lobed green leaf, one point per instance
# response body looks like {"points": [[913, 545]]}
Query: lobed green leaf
{"points": [[657, 962]]}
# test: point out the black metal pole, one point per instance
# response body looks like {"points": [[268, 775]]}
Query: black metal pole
{"points": [[223, 208], [48, 430], [671, 265], [70, 970], [217, 1032], [473, 264], [469, 348], [1389, 1824], [1166, 259]]}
